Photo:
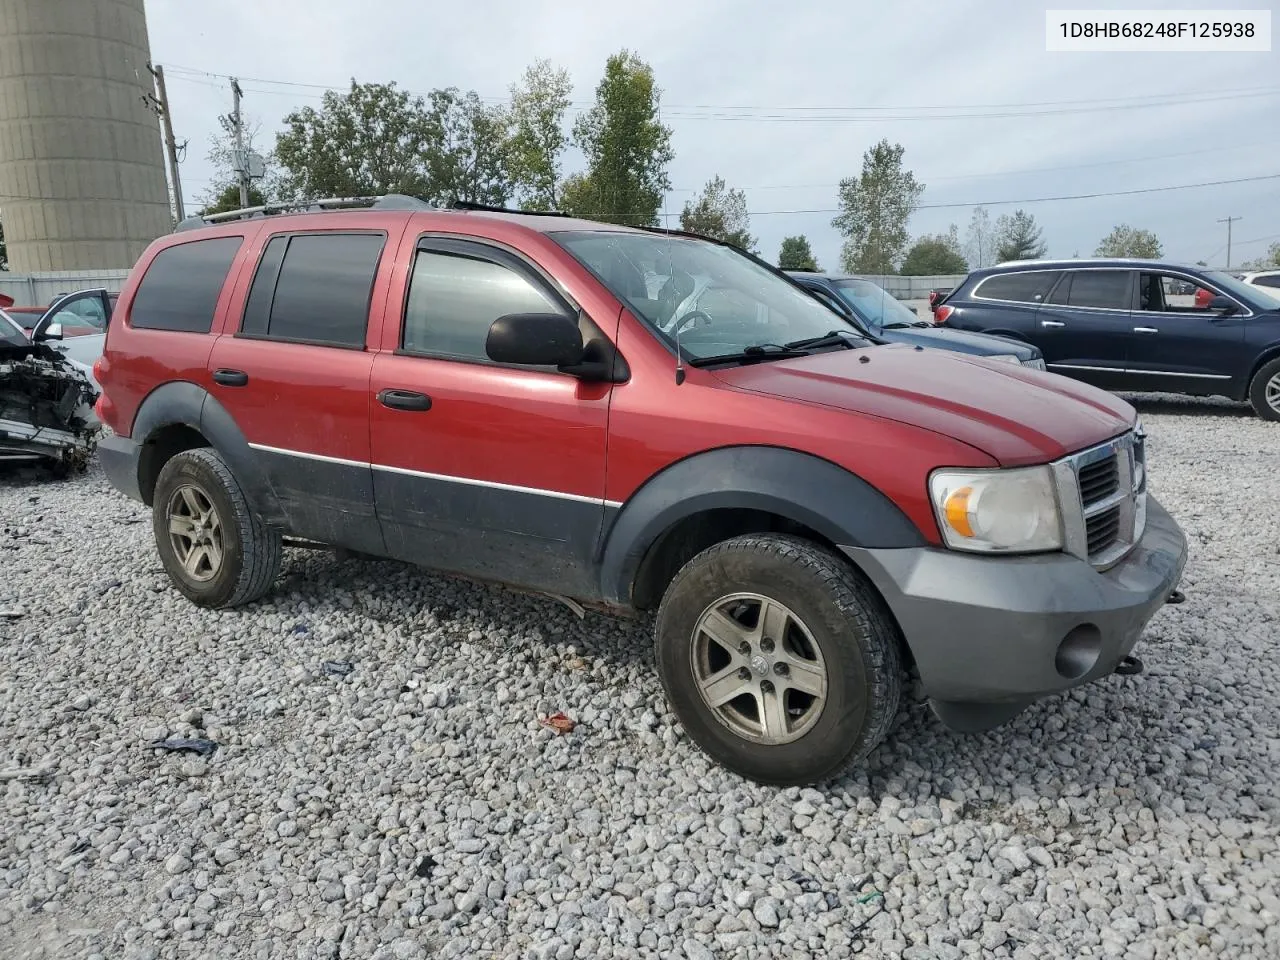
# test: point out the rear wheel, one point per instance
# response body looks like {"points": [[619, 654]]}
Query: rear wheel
{"points": [[780, 660], [217, 552], [1264, 391]]}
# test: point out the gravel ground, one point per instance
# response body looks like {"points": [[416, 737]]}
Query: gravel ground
{"points": [[417, 807]]}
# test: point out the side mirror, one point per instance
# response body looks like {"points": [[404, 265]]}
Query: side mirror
{"points": [[535, 339], [1223, 306], [52, 332]]}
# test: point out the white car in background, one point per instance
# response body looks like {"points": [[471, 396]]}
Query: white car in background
{"points": [[75, 325], [1268, 281]]}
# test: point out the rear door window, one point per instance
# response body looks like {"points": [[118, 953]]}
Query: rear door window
{"points": [[314, 288], [1107, 289], [1027, 287], [180, 289]]}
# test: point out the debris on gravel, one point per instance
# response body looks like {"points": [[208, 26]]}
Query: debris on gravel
{"points": [[416, 806]]}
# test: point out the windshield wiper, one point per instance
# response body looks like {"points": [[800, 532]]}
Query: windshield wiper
{"points": [[753, 354], [832, 338]]}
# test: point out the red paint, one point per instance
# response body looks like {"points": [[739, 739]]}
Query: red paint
{"points": [[890, 420]]}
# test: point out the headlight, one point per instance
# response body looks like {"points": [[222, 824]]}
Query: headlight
{"points": [[997, 511], [1006, 357]]}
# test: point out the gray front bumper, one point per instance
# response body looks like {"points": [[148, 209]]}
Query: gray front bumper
{"points": [[987, 630]]}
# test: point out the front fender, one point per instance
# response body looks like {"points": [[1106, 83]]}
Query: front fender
{"points": [[800, 487]]}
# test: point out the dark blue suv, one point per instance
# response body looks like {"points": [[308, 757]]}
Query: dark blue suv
{"points": [[1136, 325], [877, 312]]}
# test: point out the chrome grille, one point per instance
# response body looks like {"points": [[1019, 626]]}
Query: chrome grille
{"points": [[1103, 494]]}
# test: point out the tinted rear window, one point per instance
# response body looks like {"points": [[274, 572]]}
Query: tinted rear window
{"points": [[1100, 288], [1027, 287], [180, 289], [314, 288]]}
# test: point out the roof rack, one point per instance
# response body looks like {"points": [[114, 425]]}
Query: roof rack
{"points": [[389, 201], [488, 208]]}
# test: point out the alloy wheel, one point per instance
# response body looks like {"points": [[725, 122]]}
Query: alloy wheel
{"points": [[195, 533]]}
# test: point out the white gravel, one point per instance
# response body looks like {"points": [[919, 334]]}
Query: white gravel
{"points": [[416, 806]]}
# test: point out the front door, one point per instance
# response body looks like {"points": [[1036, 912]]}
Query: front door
{"points": [[79, 321], [295, 376], [487, 470], [1084, 326], [1184, 347]]}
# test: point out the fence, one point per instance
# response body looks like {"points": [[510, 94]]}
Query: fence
{"points": [[37, 289], [913, 288]]}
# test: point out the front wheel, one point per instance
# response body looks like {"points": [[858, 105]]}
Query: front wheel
{"points": [[1264, 391], [780, 660]]}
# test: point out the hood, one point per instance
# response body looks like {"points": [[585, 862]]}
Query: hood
{"points": [[1014, 414], [979, 344]]}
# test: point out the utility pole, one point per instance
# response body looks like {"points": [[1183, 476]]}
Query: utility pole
{"points": [[1228, 221], [161, 106], [242, 162]]}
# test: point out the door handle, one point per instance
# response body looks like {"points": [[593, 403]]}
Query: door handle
{"points": [[404, 400], [1145, 330], [230, 378], [1052, 323]]}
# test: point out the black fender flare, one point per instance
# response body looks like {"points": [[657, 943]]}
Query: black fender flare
{"points": [[800, 487], [189, 404]]}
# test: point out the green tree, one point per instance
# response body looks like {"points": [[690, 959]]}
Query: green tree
{"points": [[719, 212], [229, 199], [980, 241], [626, 146], [874, 210], [1127, 241], [1268, 261], [467, 148], [935, 254], [796, 254], [1018, 237], [538, 138], [372, 139]]}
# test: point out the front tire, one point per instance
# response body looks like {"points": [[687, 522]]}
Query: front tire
{"points": [[1264, 391], [216, 550], [779, 659]]}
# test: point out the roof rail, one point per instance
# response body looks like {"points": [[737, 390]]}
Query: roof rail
{"points": [[389, 201], [456, 204]]}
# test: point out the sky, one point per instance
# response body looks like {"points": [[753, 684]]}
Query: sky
{"points": [[783, 100]]}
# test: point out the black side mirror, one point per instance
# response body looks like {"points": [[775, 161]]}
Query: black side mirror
{"points": [[535, 339], [1223, 306]]}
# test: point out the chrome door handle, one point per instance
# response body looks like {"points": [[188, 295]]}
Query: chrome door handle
{"points": [[1145, 330], [1052, 323]]}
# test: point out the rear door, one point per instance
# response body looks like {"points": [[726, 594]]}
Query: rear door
{"points": [[293, 372], [1003, 303], [485, 469], [1183, 347], [1085, 326]]}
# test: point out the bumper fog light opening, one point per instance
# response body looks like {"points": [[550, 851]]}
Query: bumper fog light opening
{"points": [[1079, 651]]}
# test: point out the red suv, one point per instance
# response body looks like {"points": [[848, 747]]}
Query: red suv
{"points": [[536, 400]]}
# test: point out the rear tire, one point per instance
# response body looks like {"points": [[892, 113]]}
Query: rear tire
{"points": [[805, 695], [1264, 391], [217, 552]]}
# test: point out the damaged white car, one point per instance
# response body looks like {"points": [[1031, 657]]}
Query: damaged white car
{"points": [[46, 403]]}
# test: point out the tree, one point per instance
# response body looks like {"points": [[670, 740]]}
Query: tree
{"points": [[796, 254], [874, 210], [719, 212], [626, 147], [467, 148], [1018, 237], [1269, 261], [934, 255], [373, 139], [4, 253], [229, 199], [980, 241], [1127, 241], [538, 105]]}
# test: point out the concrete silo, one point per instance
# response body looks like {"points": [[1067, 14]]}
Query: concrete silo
{"points": [[82, 183]]}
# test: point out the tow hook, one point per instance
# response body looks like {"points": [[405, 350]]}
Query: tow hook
{"points": [[1129, 666], [1176, 597]]}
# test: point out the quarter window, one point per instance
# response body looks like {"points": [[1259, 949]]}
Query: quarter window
{"points": [[314, 288], [1100, 288], [455, 297], [1268, 281], [1027, 287], [181, 286]]}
